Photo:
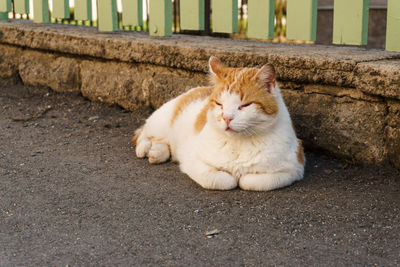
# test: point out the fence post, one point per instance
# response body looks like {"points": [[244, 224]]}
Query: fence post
{"points": [[160, 13], [3, 15], [224, 16], [41, 11], [107, 15], [21, 6], [83, 10], [192, 15], [350, 22], [301, 20], [61, 9], [393, 26], [132, 13], [5, 5], [261, 14]]}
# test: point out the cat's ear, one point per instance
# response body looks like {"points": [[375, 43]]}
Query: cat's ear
{"points": [[216, 66], [266, 75]]}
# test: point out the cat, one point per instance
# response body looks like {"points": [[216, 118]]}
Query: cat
{"points": [[237, 132]]}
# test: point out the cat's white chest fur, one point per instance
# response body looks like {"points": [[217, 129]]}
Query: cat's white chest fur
{"points": [[241, 156]]}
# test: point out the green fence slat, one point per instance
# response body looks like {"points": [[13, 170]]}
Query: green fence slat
{"points": [[160, 13], [21, 6], [261, 14], [41, 12], [83, 10], [192, 15], [224, 16], [301, 20], [350, 22], [107, 15], [5, 6], [132, 12], [393, 26], [3, 15], [61, 9]]}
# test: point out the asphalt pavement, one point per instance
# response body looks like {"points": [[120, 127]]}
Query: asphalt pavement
{"points": [[73, 193]]}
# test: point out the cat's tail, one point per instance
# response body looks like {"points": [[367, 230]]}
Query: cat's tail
{"points": [[136, 135]]}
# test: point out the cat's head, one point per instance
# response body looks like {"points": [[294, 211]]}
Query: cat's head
{"points": [[243, 102]]}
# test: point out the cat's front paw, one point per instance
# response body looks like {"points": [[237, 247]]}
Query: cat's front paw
{"points": [[219, 180], [265, 181], [159, 152], [142, 147]]}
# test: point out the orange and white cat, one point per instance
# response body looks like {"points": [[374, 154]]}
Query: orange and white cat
{"points": [[236, 132]]}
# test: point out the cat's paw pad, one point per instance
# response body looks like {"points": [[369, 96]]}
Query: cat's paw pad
{"points": [[220, 180], [159, 152], [142, 148]]}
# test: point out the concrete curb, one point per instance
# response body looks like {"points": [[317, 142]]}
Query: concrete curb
{"points": [[345, 100]]}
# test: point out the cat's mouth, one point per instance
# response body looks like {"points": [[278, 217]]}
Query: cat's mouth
{"points": [[230, 130]]}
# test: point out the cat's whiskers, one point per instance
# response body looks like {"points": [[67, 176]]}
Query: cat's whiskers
{"points": [[245, 126]]}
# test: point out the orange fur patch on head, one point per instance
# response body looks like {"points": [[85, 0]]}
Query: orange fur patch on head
{"points": [[253, 85], [186, 99], [225, 77], [300, 153], [251, 90], [220, 75]]}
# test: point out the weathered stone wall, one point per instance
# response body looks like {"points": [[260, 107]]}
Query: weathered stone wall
{"points": [[344, 100]]}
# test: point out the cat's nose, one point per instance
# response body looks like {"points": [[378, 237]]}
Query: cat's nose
{"points": [[228, 120]]}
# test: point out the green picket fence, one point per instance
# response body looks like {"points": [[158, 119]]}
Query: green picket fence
{"points": [[350, 19]]}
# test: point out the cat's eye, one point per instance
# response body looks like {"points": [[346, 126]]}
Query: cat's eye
{"points": [[245, 105], [217, 103]]}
